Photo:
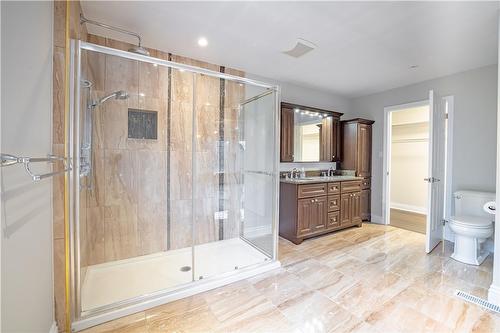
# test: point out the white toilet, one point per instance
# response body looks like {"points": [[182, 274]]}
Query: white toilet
{"points": [[472, 225]]}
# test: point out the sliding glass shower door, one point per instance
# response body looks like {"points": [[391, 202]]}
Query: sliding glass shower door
{"points": [[174, 177]]}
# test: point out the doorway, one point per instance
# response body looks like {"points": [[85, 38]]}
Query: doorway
{"points": [[417, 177], [409, 158]]}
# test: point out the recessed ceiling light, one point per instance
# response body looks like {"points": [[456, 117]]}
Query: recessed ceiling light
{"points": [[202, 41]]}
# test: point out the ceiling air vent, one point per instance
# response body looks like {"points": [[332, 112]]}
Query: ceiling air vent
{"points": [[302, 47]]}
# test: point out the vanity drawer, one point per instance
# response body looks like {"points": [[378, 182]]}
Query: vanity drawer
{"points": [[333, 203], [351, 186], [333, 188], [366, 184], [333, 220], [312, 190]]}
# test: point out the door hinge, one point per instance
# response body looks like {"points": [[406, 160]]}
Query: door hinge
{"points": [[443, 221]]}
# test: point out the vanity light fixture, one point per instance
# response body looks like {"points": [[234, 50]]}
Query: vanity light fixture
{"points": [[296, 110], [202, 41]]}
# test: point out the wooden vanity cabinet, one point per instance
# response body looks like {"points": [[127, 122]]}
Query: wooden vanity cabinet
{"points": [[308, 210], [357, 155]]}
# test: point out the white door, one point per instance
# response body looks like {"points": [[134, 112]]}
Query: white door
{"points": [[435, 205]]}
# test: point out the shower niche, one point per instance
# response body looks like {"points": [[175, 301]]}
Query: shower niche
{"points": [[174, 187]]}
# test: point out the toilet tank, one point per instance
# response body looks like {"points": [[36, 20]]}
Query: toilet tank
{"points": [[471, 202]]}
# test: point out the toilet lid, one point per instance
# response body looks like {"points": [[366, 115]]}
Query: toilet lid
{"points": [[474, 221]]}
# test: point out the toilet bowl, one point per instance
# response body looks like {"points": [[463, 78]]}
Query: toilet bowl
{"points": [[470, 234], [472, 225]]}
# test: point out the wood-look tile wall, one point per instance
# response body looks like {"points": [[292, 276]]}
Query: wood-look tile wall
{"points": [[136, 182]]}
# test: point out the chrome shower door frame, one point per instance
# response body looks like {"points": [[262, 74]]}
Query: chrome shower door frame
{"points": [[81, 320]]}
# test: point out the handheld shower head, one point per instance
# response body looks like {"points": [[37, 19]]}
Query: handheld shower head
{"points": [[119, 95]]}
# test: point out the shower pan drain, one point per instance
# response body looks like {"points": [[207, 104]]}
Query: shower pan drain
{"points": [[478, 301], [185, 268]]}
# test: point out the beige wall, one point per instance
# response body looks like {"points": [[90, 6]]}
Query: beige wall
{"points": [[409, 159]]}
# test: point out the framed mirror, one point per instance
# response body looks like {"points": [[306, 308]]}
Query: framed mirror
{"points": [[309, 134]]}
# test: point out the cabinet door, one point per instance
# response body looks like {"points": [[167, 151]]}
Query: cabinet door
{"points": [[365, 205], [345, 209], [321, 213], [306, 210], [364, 150], [356, 208], [330, 139], [325, 144], [286, 143], [336, 141]]}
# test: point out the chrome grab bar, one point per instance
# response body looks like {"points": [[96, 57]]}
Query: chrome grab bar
{"points": [[8, 159]]}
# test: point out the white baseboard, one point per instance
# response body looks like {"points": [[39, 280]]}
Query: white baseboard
{"points": [[377, 219], [494, 294], [409, 208], [53, 328]]}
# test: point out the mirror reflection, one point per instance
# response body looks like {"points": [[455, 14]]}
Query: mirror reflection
{"points": [[307, 136]]}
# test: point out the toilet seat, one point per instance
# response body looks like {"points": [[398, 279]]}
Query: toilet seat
{"points": [[471, 221]]}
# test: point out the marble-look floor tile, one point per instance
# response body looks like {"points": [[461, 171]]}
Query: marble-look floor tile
{"points": [[314, 312], [279, 286], [370, 279], [366, 295]]}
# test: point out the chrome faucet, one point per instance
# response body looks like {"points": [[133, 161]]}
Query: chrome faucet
{"points": [[294, 173], [331, 172]]}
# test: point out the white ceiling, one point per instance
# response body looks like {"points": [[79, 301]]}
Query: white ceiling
{"points": [[362, 47]]}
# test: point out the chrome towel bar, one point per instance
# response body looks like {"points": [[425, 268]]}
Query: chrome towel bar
{"points": [[8, 159]]}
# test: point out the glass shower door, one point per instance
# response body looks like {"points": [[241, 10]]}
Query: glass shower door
{"points": [[259, 166], [227, 119]]}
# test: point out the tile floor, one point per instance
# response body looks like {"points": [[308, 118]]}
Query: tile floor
{"points": [[370, 279]]}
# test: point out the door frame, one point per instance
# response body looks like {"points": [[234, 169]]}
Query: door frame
{"points": [[386, 195]]}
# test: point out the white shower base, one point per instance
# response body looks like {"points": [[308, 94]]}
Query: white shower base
{"points": [[120, 280]]}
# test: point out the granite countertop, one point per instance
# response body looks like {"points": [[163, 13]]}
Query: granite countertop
{"points": [[319, 179]]}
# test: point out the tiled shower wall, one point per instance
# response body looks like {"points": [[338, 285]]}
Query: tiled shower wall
{"points": [[143, 189]]}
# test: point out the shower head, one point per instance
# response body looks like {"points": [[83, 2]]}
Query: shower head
{"points": [[136, 49], [120, 94], [139, 50]]}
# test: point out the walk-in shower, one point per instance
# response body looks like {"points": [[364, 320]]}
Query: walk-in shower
{"points": [[174, 187]]}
